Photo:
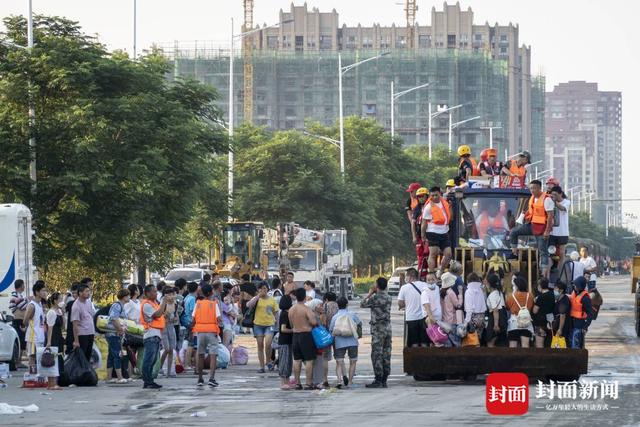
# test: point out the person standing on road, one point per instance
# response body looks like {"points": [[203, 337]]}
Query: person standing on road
{"points": [[266, 309], [379, 301], [18, 306], [35, 319], [285, 338], [82, 313], [581, 312], [55, 321], [409, 301], [114, 339], [72, 296], [302, 320], [152, 318], [169, 339], [207, 319], [187, 320], [345, 343]]}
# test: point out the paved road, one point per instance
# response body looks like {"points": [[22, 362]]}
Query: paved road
{"points": [[246, 398]]}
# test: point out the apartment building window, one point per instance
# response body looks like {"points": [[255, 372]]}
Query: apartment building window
{"points": [[351, 42], [290, 112], [503, 38], [272, 42], [311, 42], [401, 42], [451, 40], [477, 37], [286, 41], [384, 42], [369, 109], [299, 43], [367, 43], [424, 40], [504, 50], [326, 42]]}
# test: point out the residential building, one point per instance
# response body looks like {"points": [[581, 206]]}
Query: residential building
{"points": [[584, 145], [296, 79]]}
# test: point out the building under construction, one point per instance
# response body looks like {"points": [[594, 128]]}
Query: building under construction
{"points": [[293, 70]]}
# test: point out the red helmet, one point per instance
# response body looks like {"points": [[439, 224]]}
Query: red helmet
{"points": [[491, 152], [483, 155], [552, 181]]}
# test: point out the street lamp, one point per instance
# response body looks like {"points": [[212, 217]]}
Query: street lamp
{"points": [[491, 128], [452, 126], [341, 71], [324, 138], [231, 121], [395, 96], [436, 114], [32, 110], [571, 195]]}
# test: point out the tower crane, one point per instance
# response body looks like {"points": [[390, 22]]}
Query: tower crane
{"points": [[247, 59]]}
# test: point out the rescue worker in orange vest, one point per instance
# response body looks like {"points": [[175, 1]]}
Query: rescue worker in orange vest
{"points": [[581, 312], [490, 167], [152, 319], [436, 217], [538, 222], [491, 220], [206, 320], [467, 166], [412, 201], [517, 167]]}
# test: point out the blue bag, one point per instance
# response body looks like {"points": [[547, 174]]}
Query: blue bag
{"points": [[321, 337]]}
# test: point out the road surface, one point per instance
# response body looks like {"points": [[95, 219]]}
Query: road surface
{"points": [[246, 398]]}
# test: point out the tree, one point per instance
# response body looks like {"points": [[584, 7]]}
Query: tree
{"points": [[123, 155]]}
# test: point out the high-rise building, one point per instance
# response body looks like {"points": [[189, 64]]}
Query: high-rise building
{"points": [[295, 74], [584, 146]]}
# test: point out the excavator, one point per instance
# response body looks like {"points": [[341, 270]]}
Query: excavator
{"points": [[241, 250], [482, 246]]}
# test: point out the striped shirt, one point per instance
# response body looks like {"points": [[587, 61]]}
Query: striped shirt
{"points": [[18, 302]]}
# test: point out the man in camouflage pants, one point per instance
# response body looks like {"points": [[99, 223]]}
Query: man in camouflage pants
{"points": [[379, 301]]}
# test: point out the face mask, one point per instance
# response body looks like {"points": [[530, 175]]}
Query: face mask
{"points": [[61, 304], [556, 293], [431, 286]]}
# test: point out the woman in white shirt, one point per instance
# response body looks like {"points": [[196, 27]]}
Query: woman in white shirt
{"points": [[475, 305], [132, 308], [430, 300], [497, 324]]}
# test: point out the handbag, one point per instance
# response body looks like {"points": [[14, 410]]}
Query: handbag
{"points": [[471, 340], [436, 334], [321, 337], [558, 342], [47, 360], [250, 315]]}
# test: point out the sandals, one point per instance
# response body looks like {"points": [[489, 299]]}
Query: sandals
{"points": [[298, 387], [309, 387], [285, 387]]}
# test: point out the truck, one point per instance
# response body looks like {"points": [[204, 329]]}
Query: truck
{"points": [[16, 250], [482, 246], [319, 256]]}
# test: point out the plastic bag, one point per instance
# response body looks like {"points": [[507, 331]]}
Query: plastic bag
{"points": [[78, 370], [558, 342], [239, 356], [223, 358], [321, 337], [471, 340]]}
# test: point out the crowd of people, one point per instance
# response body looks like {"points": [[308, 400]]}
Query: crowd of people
{"points": [[443, 309], [187, 324]]}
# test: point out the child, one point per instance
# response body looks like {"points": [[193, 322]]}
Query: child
{"points": [[169, 332]]}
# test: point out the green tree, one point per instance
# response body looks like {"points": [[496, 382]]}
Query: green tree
{"points": [[123, 154]]}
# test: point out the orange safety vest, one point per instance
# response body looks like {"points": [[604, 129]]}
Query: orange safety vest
{"points": [[206, 317], [576, 305], [157, 323], [438, 216], [414, 203], [475, 168], [498, 222], [536, 213], [517, 170]]}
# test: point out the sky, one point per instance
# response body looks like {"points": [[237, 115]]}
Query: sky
{"points": [[590, 40]]}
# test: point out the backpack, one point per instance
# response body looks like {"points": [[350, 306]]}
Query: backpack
{"points": [[524, 316], [345, 327]]}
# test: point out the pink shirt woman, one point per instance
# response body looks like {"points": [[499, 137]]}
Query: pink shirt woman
{"points": [[450, 301]]}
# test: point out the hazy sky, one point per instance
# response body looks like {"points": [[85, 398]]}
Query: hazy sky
{"points": [[589, 40]]}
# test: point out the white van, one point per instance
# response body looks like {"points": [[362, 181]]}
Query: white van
{"points": [[396, 280], [16, 251]]}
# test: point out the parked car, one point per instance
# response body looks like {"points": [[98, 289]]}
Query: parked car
{"points": [[9, 343], [187, 273], [396, 280]]}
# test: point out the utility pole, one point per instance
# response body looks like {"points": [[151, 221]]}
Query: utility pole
{"points": [[32, 109]]}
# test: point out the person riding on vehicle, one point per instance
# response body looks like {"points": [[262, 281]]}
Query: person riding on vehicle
{"points": [[516, 167], [490, 167], [491, 220], [467, 166], [552, 182]]}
